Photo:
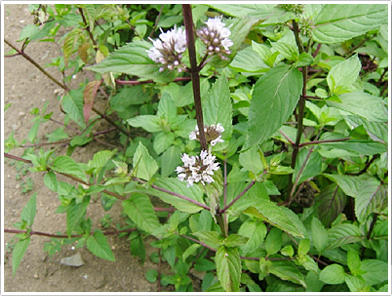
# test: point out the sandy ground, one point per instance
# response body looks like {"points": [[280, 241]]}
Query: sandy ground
{"points": [[26, 87]]}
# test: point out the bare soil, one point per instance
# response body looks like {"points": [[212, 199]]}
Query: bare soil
{"points": [[25, 87]]}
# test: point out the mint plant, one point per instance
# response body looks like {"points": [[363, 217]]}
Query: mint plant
{"points": [[261, 128]]}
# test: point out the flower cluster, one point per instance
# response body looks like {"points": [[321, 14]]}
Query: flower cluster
{"points": [[168, 49], [215, 37], [213, 134], [197, 168]]}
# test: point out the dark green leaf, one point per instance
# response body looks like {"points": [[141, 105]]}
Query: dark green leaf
{"points": [[333, 274], [50, 181], [275, 96], [133, 59], [72, 104], [312, 167], [152, 275], [371, 197], [343, 234], [336, 22], [190, 251], [98, 245], [217, 106], [75, 211], [28, 212], [137, 246], [288, 271], [144, 165], [65, 164], [18, 253], [150, 123], [329, 204], [228, 267], [140, 210]]}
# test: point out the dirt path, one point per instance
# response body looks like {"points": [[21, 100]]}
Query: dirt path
{"points": [[26, 87]]}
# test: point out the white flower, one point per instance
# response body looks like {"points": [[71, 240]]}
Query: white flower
{"points": [[197, 168], [215, 37], [168, 49], [213, 134]]}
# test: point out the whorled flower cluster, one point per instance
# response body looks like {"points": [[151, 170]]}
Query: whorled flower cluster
{"points": [[213, 134], [215, 37], [168, 49], [197, 168]]}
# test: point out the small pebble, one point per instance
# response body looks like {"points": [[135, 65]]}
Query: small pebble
{"points": [[36, 276]]}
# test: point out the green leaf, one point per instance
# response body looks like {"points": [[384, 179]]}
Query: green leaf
{"points": [[248, 60], [287, 251], [50, 181], [369, 107], [66, 165], [101, 158], [150, 123], [228, 268], [275, 96], [34, 131], [175, 185], [313, 283], [304, 59], [28, 212], [72, 104], [288, 271], [144, 165], [319, 235], [217, 106], [255, 231], [355, 284], [170, 159], [57, 135], [287, 47], [76, 211], [329, 204], [140, 210], [18, 253], [132, 59], [209, 237], [303, 247], [152, 275], [273, 242], [343, 75], [333, 274], [167, 110], [376, 130], [235, 240], [99, 246], [190, 251], [371, 196], [162, 141], [376, 271], [351, 184], [311, 168], [251, 160], [339, 22], [353, 261], [136, 245], [343, 234]]}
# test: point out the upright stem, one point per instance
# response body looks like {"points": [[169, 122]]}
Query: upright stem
{"points": [[194, 71]]}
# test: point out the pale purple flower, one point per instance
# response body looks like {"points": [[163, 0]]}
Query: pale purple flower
{"points": [[213, 134]]}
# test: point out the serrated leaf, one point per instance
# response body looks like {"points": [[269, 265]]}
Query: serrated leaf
{"points": [[343, 74], [235, 240], [303, 247], [89, 95], [376, 271], [251, 160], [190, 251], [319, 235], [72, 104], [150, 123], [99, 246], [50, 181], [339, 22], [255, 231], [288, 271], [248, 60], [66, 165], [162, 141], [18, 253], [28, 212], [312, 167], [70, 43], [365, 105], [329, 204], [274, 98], [76, 211], [371, 196], [351, 184], [228, 267], [273, 241], [140, 210], [136, 245], [170, 159], [279, 217], [343, 234], [217, 106], [144, 165], [209, 237], [101, 158], [353, 261], [376, 130], [333, 274], [132, 59], [175, 185]]}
